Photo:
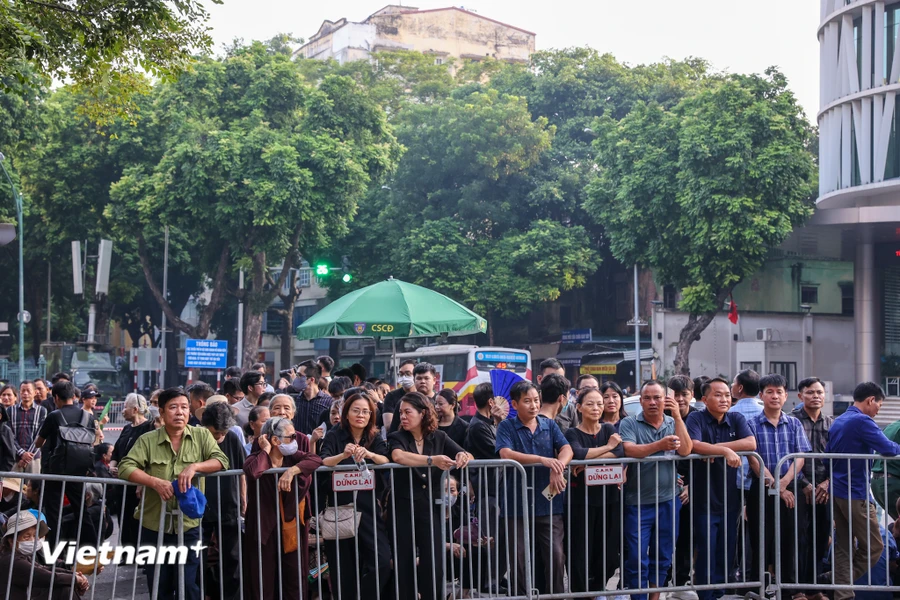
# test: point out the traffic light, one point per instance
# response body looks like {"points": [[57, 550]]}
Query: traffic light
{"points": [[322, 269], [345, 267]]}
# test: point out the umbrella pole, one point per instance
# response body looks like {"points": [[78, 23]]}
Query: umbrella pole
{"points": [[394, 359]]}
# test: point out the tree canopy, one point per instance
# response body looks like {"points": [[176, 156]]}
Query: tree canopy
{"points": [[700, 192]]}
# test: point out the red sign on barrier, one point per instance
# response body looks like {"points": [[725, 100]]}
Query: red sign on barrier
{"points": [[353, 481], [604, 475]]}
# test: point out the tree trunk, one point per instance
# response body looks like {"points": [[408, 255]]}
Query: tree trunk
{"points": [[696, 324], [252, 331], [217, 295], [287, 337]]}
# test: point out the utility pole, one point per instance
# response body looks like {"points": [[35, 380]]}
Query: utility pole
{"points": [[162, 331]]}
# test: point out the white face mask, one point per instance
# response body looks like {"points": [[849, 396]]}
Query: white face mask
{"points": [[288, 449], [30, 547], [450, 499], [406, 382]]}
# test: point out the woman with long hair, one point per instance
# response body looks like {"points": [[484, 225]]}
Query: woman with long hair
{"points": [[446, 405], [595, 511], [613, 410], [428, 451], [272, 500], [358, 568]]}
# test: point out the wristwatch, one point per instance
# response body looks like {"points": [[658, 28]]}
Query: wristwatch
{"points": [[429, 461]]}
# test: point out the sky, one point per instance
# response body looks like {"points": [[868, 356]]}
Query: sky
{"points": [[737, 37]]}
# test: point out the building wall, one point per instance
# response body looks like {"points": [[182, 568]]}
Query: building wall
{"points": [[827, 354], [453, 32], [777, 287]]}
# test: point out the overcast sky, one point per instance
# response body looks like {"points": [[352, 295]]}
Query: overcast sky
{"points": [[734, 36]]}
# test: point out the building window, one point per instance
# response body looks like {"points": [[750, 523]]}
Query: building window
{"points": [[669, 297], [753, 366], [788, 370], [304, 277], [847, 299], [809, 294], [302, 313], [272, 322], [438, 61]]}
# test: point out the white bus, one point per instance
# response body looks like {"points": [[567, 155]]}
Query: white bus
{"points": [[462, 367]]}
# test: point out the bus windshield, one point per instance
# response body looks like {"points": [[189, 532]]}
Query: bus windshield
{"points": [[516, 362]]}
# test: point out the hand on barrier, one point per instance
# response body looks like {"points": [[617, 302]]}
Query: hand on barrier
{"points": [[287, 478], [822, 492], [163, 488], [554, 465], [788, 498], [557, 483], [731, 458], [458, 549], [185, 477], [444, 463], [462, 459], [81, 583], [670, 442]]}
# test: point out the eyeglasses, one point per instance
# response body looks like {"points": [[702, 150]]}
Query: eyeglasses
{"points": [[362, 412], [406, 373], [290, 438], [261, 382]]}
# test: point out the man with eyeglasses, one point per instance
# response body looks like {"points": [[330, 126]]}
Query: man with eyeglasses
{"points": [[253, 384]]}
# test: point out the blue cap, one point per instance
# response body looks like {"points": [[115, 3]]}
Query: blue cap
{"points": [[39, 515], [192, 502]]}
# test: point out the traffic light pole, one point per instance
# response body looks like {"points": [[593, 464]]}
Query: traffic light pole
{"points": [[18, 200]]}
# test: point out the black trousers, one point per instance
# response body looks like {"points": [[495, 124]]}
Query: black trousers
{"points": [[368, 554], [680, 571], [423, 580], [814, 543], [789, 542], [596, 542], [53, 504], [222, 577]]}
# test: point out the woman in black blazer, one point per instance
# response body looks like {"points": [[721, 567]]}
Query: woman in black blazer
{"points": [[419, 445]]}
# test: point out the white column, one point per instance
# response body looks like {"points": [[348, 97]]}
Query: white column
{"points": [[864, 311]]}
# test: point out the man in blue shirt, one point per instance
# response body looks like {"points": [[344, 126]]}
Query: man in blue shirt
{"points": [[855, 432], [651, 506], [716, 503], [777, 435], [538, 444]]}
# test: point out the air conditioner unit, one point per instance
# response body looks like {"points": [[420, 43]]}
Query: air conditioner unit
{"points": [[764, 335]]}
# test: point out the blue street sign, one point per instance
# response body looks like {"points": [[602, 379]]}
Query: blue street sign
{"points": [[206, 354], [576, 336]]}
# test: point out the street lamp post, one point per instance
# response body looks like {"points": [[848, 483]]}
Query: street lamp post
{"points": [[18, 199]]}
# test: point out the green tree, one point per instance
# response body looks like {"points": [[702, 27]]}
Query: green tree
{"points": [[103, 47], [260, 166], [701, 191], [458, 215]]}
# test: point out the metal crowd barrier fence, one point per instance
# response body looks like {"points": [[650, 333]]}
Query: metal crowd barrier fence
{"points": [[856, 542], [394, 532]]}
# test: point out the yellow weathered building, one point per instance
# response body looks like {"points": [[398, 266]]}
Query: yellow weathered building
{"points": [[446, 33]]}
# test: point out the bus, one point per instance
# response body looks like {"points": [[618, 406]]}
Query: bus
{"points": [[462, 367]]}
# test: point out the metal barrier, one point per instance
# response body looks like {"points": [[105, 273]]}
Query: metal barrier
{"points": [[399, 547], [807, 523]]}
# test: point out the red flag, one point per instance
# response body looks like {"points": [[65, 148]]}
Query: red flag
{"points": [[733, 313]]}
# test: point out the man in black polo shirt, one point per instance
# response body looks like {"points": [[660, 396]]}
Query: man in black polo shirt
{"points": [[67, 413], [716, 499]]}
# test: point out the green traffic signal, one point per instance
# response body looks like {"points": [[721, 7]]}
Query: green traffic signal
{"points": [[322, 270], [347, 278]]}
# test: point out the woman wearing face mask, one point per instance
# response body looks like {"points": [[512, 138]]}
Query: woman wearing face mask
{"points": [[354, 442], [272, 499], [136, 413], [22, 545], [420, 445]]}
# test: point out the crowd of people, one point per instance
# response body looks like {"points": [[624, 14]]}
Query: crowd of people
{"points": [[686, 512]]}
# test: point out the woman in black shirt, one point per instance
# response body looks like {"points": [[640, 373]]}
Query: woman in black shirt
{"points": [[353, 442], [446, 405], [419, 444], [595, 511]]}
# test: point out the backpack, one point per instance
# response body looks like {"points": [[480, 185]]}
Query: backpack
{"points": [[74, 451]]}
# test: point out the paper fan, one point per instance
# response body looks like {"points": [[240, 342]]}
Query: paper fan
{"points": [[502, 381]]}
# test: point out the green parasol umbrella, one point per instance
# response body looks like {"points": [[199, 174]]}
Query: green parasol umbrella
{"points": [[391, 309]]}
